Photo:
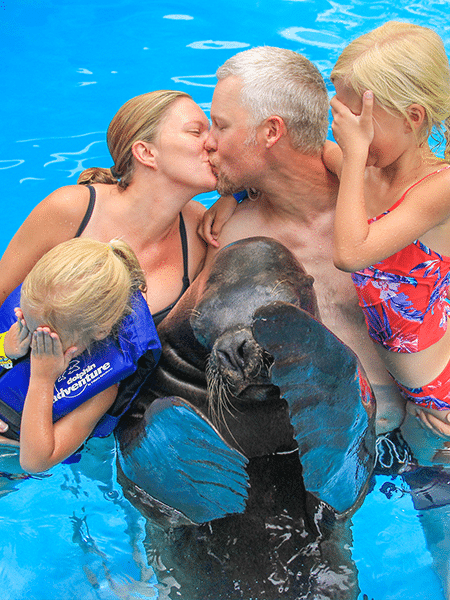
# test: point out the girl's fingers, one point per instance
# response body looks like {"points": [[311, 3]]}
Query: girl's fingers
{"points": [[367, 106], [38, 342], [24, 333], [46, 341]]}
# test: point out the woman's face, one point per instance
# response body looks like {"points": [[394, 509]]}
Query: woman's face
{"points": [[180, 147]]}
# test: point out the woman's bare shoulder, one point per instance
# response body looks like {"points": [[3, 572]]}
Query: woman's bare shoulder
{"points": [[71, 200], [54, 220]]}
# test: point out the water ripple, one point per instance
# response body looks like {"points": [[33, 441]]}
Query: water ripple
{"points": [[14, 163], [188, 80], [178, 17], [312, 37], [217, 45]]}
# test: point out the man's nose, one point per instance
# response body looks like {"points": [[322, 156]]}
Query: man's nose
{"points": [[210, 142]]}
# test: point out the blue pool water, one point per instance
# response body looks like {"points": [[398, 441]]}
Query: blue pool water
{"points": [[67, 67]]}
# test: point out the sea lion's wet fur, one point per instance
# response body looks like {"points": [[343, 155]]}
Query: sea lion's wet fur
{"points": [[218, 309], [286, 542]]}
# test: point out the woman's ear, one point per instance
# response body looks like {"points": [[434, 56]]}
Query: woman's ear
{"points": [[417, 116], [144, 153]]}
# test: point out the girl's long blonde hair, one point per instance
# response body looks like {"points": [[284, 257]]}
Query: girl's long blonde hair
{"points": [[402, 64]]}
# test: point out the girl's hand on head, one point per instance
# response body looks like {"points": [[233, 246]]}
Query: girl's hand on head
{"points": [[48, 361], [353, 133], [18, 338]]}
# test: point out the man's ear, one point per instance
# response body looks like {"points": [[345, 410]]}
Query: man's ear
{"points": [[274, 128], [417, 116], [144, 153]]}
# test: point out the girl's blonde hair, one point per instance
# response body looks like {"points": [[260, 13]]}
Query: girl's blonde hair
{"points": [[402, 64], [84, 286], [138, 119]]}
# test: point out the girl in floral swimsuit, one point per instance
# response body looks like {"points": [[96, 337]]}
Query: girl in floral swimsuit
{"points": [[392, 228]]}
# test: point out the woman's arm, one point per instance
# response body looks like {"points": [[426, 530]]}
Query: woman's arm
{"points": [[43, 443], [54, 220]]}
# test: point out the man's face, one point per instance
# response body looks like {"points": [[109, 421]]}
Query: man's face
{"points": [[232, 144]]}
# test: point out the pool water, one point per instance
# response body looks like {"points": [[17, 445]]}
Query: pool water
{"points": [[67, 67]]}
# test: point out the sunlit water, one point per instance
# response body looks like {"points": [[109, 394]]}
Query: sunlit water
{"points": [[66, 68]]}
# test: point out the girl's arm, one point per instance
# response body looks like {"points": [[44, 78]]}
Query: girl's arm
{"points": [[354, 135], [18, 338], [16, 343], [332, 157], [215, 218], [54, 220], [43, 443], [356, 243]]}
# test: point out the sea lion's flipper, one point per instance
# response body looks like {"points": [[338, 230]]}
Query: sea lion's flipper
{"points": [[179, 459], [329, 399]]}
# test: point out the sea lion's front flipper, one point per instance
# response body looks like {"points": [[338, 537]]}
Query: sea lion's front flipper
{"points": [[330, 401], [178, 458]]}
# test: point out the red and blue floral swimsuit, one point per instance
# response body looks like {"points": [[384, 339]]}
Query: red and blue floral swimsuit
{"points": [[404, 300]]}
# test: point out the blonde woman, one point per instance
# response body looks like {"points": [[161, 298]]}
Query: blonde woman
{"points": [[71, 302], [156, 141], [392, 227]]}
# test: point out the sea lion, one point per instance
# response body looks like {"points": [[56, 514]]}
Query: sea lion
{"points": [[257, 420], [251, 322]]}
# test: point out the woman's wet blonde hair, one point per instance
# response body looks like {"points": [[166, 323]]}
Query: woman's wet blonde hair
{"points": [[83, 287], [138, 119], [402, 64]]}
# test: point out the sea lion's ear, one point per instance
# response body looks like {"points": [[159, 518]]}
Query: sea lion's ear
{"points": [[330, 401], [200, 477]]}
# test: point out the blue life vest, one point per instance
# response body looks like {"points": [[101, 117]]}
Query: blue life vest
{"points": [[129, 358]]}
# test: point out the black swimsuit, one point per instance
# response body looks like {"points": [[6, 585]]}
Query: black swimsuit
{"points": [[161, 314]]}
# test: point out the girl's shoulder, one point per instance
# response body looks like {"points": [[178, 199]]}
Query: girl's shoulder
{"points": [[435, 179]]}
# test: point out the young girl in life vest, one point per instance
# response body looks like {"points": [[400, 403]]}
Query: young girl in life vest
{"points": [[76, 294], [392, 227]]}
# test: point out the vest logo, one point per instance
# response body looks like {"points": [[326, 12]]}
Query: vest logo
{"points": [[74, 381]]}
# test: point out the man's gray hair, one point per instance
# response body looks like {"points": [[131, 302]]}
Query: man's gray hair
{"points": [[277, 81]]}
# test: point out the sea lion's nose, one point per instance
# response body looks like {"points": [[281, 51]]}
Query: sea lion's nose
{"points": [[238, 355]]}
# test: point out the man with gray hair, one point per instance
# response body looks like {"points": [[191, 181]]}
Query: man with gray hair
{"points": [[269, 118]]}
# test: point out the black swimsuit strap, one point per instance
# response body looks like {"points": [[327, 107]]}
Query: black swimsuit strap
{"points": [[88, 214], [162, 314], [184, 247]]}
